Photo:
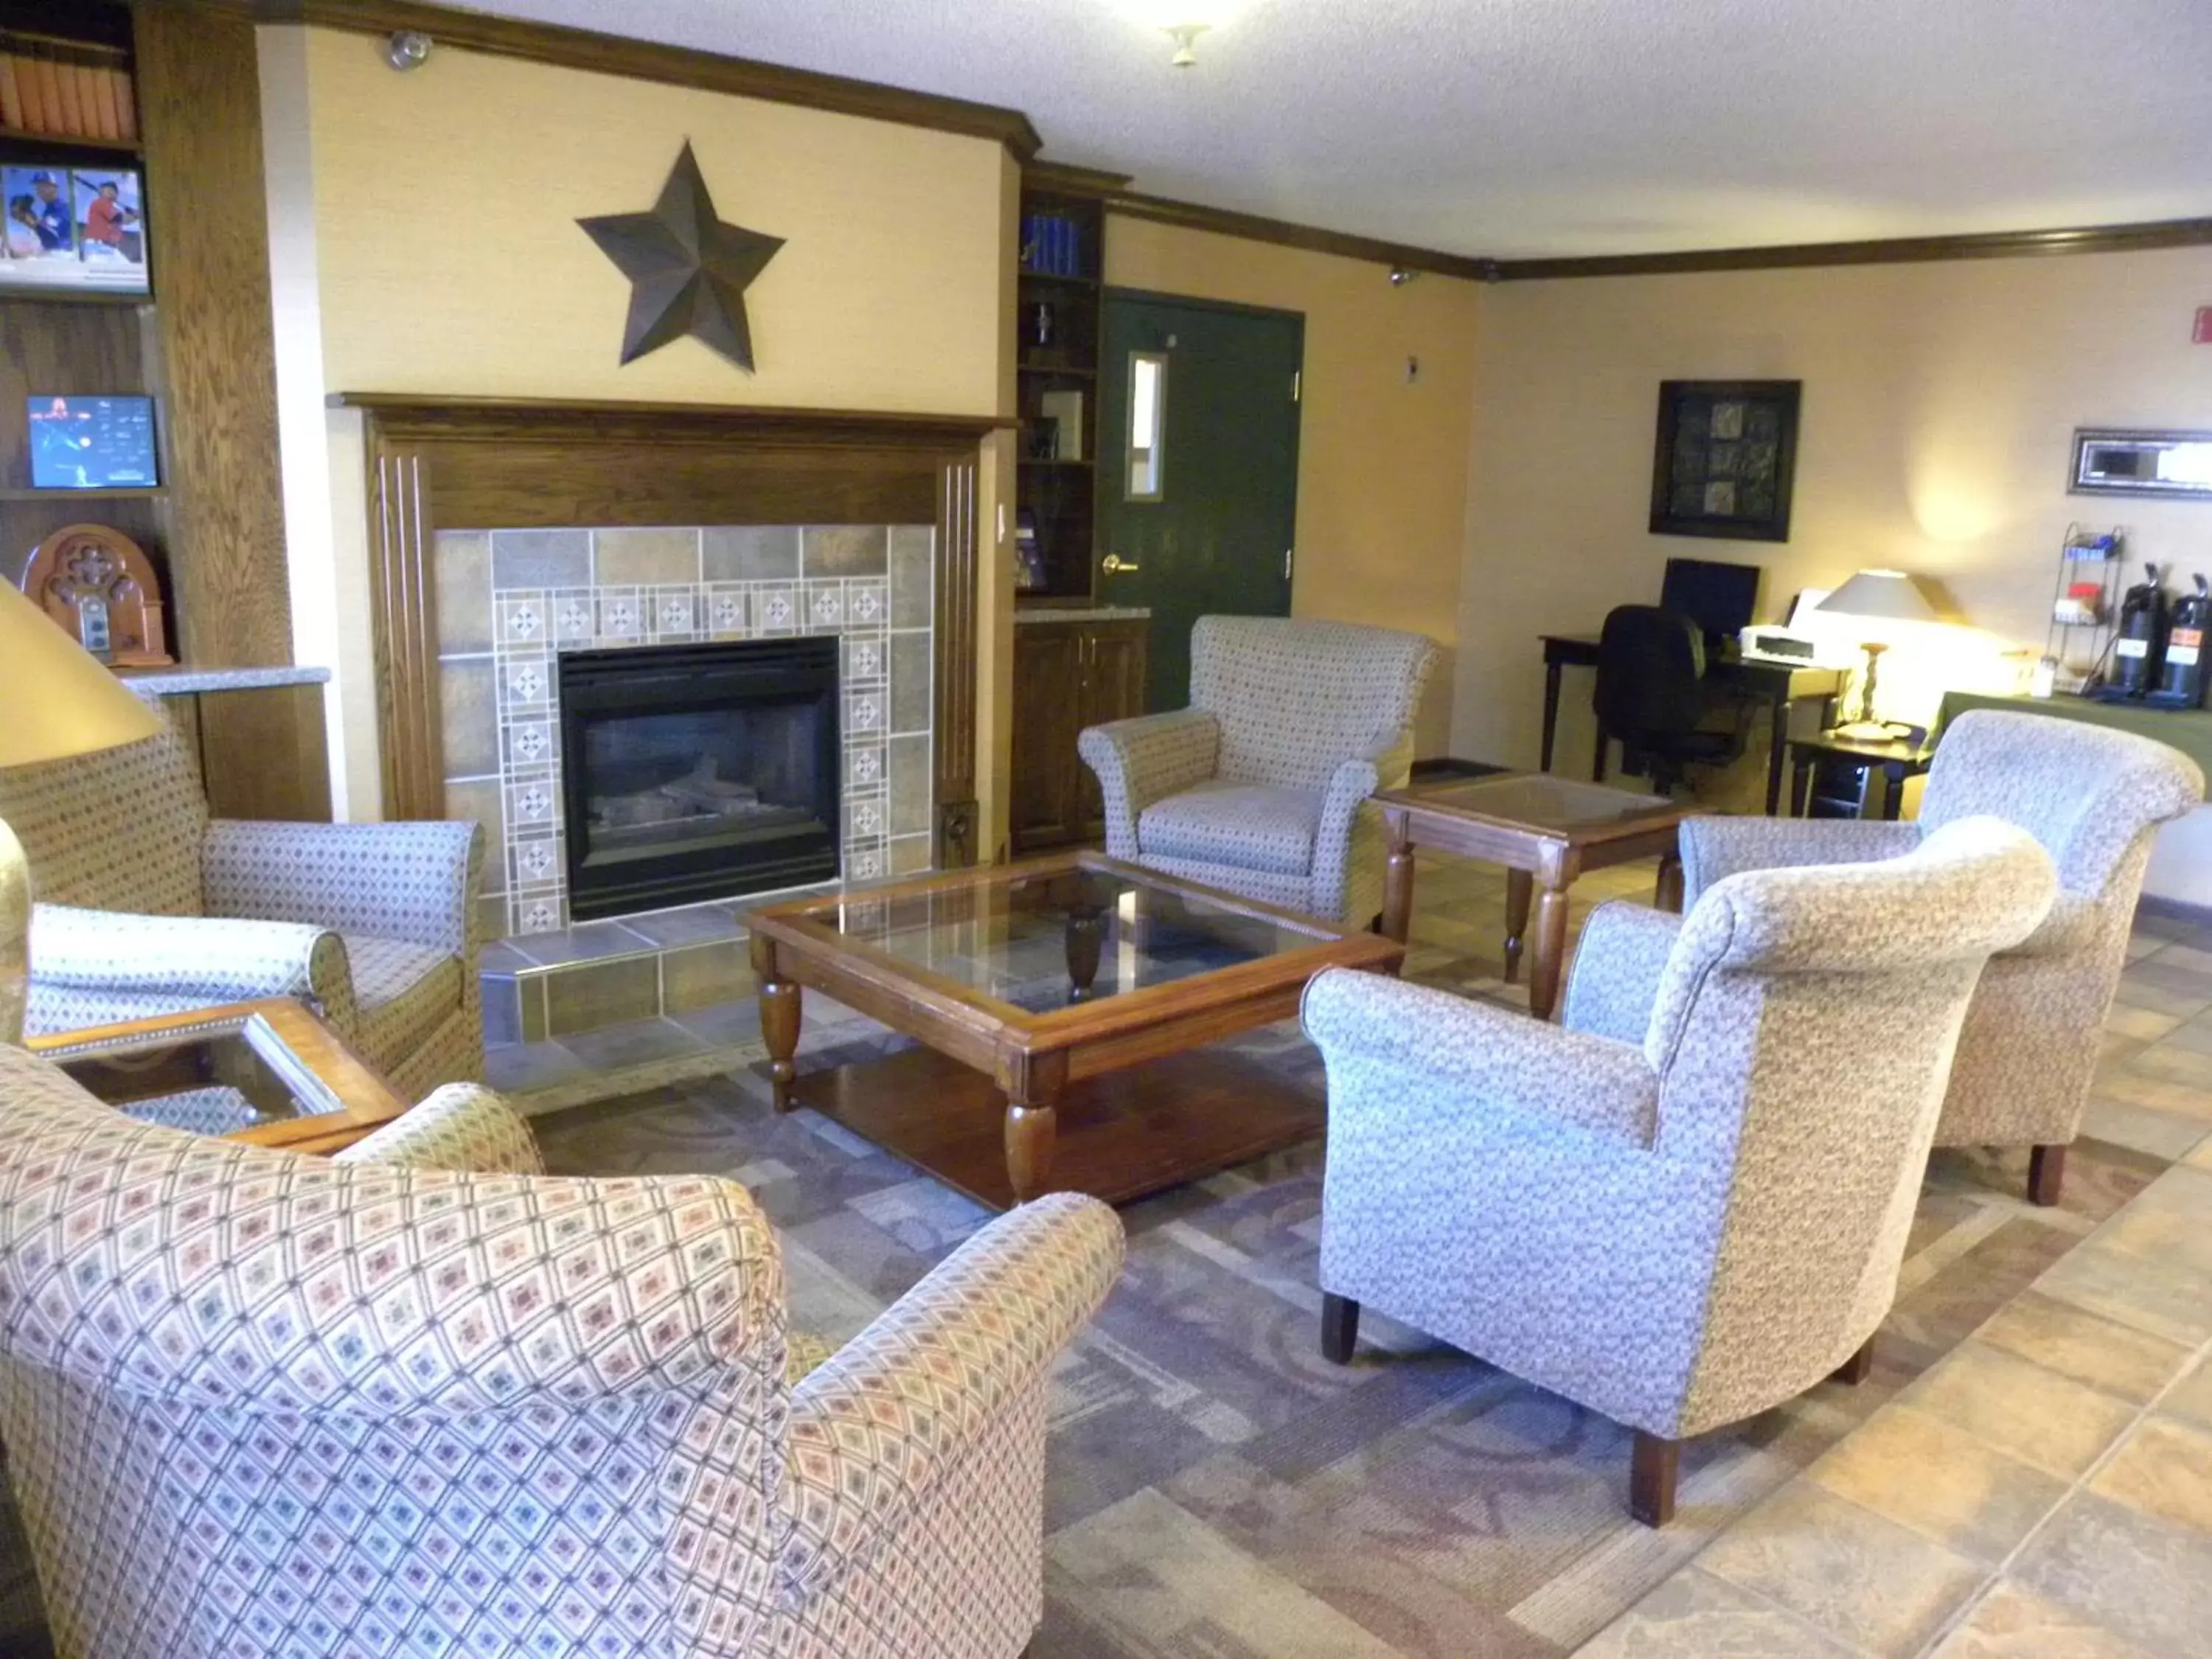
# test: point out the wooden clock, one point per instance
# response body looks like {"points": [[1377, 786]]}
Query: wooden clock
{"points": [[98, 584]]}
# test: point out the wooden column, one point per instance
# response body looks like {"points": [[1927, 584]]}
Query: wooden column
{"points": [[199, 97]]}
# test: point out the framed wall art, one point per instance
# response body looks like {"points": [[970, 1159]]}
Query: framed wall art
{"points": [[1727, 453]]}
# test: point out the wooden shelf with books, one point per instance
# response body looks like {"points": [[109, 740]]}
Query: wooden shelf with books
{"points": [[1060, 273]]}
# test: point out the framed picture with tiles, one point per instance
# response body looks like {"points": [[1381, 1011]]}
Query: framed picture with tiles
{"points": [[1725, 458]]}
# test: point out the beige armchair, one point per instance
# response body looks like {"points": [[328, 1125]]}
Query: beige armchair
{"points": [[426, 1399], [1689, 1202], [2094, 800], [1262, 786], [147, 906]]}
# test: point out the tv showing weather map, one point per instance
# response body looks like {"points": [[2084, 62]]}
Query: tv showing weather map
{"points": [[92, 443], [73, 227]]}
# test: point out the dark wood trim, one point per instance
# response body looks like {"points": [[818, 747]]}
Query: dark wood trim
{"points": [[958, 560], [454, 463], [1252, 227], [650, 60], [1654, 1467], [1062, 178], [1902, 250]]}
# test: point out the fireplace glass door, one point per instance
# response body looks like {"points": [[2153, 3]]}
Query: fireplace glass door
{"points": [[696, 772]]}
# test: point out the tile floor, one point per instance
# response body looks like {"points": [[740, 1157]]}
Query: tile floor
{"points": [[2042, 1487]]}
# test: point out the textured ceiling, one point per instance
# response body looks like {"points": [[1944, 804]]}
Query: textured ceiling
{"points": [[1521, 127]]}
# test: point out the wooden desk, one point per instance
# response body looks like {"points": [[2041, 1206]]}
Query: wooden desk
{"points": [[1541, 829], [1780, 686]]}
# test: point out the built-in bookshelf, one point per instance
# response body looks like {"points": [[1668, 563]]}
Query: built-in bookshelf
{"points": [[1056, 333]]}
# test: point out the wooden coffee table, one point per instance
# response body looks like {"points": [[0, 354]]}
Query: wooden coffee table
{"points": [[1546, 831], [1064, 1007], [267, 1072]]}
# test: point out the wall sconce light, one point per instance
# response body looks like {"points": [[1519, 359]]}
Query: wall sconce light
{"points": [[1185, 36], [407, 49]]}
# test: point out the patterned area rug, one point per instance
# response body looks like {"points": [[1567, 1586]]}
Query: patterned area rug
{"points": [[1218, 1490]]}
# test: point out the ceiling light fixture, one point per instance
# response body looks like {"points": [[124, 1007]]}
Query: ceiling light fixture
{"points": [[1185, 36]]}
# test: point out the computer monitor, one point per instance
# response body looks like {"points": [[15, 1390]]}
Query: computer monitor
{"points": [[1723, 600]]}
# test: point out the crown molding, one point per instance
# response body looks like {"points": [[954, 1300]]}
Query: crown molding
{"points": [[1252, 227], [1062, 178], [1903, 250], [648, 60]]}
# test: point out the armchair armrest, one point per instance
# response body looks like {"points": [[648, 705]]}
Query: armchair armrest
{"points": [[1346, 792], [1146, 759], [416, 882], [874, 1429], [1496, 1061], [1615, 978], [463, 1127], [1715, 847], [197, 960]]}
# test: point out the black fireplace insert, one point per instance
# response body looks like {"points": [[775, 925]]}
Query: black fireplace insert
{"points": [[692, 772]]}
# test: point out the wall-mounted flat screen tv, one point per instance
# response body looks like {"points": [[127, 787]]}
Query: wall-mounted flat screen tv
{"points": [[92, 443]]}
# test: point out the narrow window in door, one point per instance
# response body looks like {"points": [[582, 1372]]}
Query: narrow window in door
{"points": [[1148, 416]]}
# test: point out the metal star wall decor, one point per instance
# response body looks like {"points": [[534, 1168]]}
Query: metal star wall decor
{"points": [[687, 269]]}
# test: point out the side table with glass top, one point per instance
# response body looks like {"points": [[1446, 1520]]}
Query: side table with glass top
{"points": [[267, 1072], [1547, 831]]}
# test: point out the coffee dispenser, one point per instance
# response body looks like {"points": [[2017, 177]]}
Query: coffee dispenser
{"points": [[2181, 675], [2139, 643]]}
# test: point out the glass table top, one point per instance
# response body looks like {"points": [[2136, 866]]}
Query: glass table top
{"points": [[1538, 800], [1063, 936]]}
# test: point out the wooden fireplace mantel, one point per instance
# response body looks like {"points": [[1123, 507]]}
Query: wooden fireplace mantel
{"points": [[443, 462]]}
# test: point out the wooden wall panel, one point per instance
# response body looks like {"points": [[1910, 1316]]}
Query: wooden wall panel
{"points": [[957, 553], [200, 108]]}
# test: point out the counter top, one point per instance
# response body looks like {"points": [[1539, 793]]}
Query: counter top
{"points": [[1025, 614], [184, 681]]}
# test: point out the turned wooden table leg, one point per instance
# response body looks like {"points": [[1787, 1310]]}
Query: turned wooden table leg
{"points": [[1398, 881], [1519, 888], [1668, 893], [1086, 935], [1032, 1088], [778, 1006], [1551, 951]]}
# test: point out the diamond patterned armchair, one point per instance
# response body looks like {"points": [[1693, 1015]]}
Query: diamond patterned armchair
{"points": [[1260, 787], [1689, 1202], [2094, 799], [265, 1407], [147, 906]]}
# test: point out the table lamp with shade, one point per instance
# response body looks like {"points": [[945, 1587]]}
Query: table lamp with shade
{"points": [[56, 702], [1881, 597]]}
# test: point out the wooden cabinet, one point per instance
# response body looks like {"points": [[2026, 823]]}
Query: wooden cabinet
{"points": [[1066, 676]]}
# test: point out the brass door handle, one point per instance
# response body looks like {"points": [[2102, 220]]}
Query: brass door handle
{"points": [[1116, 565]]}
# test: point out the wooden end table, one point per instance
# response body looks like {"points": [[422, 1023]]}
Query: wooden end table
{"points": [[1064, 1005], [1547, 831], [1897, 759], [271, 1066]]}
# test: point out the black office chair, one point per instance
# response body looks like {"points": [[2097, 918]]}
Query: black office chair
{"points": [[1652, 695]]}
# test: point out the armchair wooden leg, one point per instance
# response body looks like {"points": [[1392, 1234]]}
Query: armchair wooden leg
{"points": [[1859, 1367], [1653, 1469], [2046, 1174], [1340, 1327]]}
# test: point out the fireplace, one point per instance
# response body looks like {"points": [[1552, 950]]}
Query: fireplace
{"points": [[692, 772]]}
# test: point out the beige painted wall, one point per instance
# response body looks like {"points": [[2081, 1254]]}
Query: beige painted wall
{"points": [[428, 242], [1939, 403], [1382, 463]]}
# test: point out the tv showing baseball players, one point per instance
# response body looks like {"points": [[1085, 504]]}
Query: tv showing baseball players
{"points": [[73, 227]]}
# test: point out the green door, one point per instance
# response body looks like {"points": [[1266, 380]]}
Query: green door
{"points": [[1198, 440]]}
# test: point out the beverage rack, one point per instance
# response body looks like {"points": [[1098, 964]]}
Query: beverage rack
{"points": [[2079, 634]]}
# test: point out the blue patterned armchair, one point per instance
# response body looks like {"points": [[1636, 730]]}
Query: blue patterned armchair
{"points": [[2094, 799], [425, 1398], [147, 906], [1689, 1202], [1260, 787]]}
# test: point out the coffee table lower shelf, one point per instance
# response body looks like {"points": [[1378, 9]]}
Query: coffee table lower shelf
{"points": [[1119, 1135]]}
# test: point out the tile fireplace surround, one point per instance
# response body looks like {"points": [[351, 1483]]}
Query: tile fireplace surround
{"points": [[508, 601]]}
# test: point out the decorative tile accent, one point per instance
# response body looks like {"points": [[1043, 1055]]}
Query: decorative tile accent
{"points": [[521, 597]]}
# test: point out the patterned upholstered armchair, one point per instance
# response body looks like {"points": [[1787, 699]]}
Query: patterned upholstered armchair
{"points": [[1689, 1202], [1260, 787], [283, 1407], [147, 906], [2094, 800]]}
